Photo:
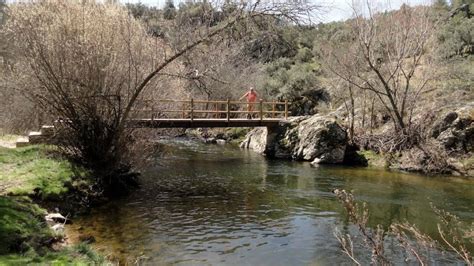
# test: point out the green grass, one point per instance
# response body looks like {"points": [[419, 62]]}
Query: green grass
{"points": [[22, 225], [33, 170], [24, 233], [80, 254]]}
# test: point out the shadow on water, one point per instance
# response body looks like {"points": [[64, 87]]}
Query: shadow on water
{"points": [[209, 204]]}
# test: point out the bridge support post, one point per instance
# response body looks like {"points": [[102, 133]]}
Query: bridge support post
{"points": [[261, 110], [192, 109], [228, 110], [273, 109], [286, 109]]}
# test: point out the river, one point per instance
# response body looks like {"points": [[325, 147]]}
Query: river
{"points": [[219, 205]]}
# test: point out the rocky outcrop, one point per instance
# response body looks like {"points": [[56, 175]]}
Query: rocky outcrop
{"points": [[256, 140], [455, 130], [317, 138], [448, 149]]}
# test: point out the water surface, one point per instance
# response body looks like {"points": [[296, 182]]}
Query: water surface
{"points": [[219, 205]]}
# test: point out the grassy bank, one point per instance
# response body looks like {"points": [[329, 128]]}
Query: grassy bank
{"points": [[34, 171], [28, 175]]}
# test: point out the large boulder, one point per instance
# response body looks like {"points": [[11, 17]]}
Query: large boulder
{"points": [[256, 140], [455, 130], [316, 138]]}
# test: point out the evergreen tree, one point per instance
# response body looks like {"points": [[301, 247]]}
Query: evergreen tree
{"points": [[466, 6], [169, 11], [441, 4], [3, 15]]}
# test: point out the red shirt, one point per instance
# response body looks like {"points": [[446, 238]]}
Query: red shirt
{"points": [[251, 96]]}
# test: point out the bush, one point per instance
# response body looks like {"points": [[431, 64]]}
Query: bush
{"points": [[456, 37], [83, 62]]}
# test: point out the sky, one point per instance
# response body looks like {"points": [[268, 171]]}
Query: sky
{"points": [[335, 10]]}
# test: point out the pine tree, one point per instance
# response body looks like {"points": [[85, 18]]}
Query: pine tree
{"points": [[3, 15], [441, 4], [169, 11]]}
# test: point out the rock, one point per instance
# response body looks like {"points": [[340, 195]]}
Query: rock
{"points": [[444, 123], [457, 166], [455, 130], [210, 140], [353, 156], [462, 165], [47, 130], [220, 141], [321, 139], [255, 140], [35, 137], [470, 172], [57, 218], [89, 239], [412, 160], [317, 138], [58, 228], [22, 142]]}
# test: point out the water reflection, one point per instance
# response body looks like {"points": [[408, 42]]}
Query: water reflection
{"points": [[213, 205]]}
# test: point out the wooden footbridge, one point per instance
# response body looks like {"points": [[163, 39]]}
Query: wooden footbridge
{"points": [[188, 114], [208, 113]]}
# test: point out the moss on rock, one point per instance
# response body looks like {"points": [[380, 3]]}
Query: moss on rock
{"points": [[374, 159]]}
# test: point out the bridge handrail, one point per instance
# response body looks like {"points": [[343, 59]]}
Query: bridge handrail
{"points": [[191, 110], [212, 101]]}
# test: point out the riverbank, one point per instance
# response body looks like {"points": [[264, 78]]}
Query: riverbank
{"points": [[34, 180], [219, 135], [440, 144]]}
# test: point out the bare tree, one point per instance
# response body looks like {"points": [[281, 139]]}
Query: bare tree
{"points": [[386, 53]]}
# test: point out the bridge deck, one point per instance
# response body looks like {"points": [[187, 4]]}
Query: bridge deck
{"points": [[203, 122]]}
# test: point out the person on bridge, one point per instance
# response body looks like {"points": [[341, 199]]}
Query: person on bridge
{"points": [[251, 96]]}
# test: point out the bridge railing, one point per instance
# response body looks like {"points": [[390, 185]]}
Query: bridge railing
{"points": [[217, 109]]}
